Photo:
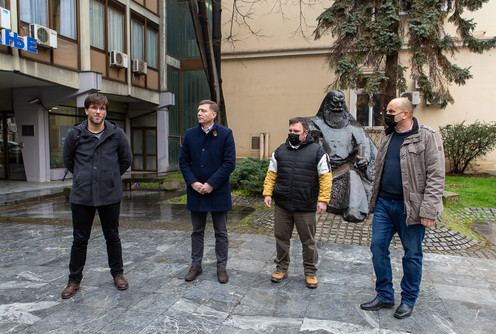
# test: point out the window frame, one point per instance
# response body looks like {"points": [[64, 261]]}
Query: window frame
{"points": [[353, 109], [147, 25], [51, 22]]}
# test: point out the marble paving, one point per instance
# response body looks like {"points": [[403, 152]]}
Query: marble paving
{"points": [[458, 294]]}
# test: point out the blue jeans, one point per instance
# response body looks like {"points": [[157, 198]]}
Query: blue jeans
{"points": [[389, 218]]}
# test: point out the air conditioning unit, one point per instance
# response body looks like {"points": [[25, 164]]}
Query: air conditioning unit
{"points": [[414, 97], [118, 59], [5, 19], [139, 67], [44, 36]]}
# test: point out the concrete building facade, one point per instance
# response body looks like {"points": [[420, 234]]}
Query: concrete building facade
{"points": [[273, 70], [54, 53]]}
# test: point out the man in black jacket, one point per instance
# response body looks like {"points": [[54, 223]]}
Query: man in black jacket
{"points": [[97, 153], [300, 180]]}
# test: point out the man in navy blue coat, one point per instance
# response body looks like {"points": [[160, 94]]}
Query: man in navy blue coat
{"points": [[208, 157]]}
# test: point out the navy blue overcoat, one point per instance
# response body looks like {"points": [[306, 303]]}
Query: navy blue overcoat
{"points": [[209, 158]]}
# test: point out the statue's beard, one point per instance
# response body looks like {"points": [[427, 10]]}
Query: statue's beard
{"points": [[337, 118]]}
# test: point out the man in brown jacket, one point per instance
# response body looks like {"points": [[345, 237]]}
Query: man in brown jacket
{"points": [[406, 198]]}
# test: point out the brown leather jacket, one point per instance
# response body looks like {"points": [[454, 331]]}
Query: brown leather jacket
{"points": [[422, 173]]}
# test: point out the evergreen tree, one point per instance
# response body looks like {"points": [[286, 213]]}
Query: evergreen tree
{"points": [[370, 35]]}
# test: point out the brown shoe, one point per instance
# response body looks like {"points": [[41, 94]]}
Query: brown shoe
{"points": [[193, 273], [311, 281], [278, 276], [70, 290], [121, 282], [222, 275]]}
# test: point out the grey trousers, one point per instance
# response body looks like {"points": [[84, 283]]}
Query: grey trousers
{"points": [[199, 220], [306, 225]]}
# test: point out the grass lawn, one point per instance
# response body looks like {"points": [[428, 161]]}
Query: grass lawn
{"points": [[475, 191]]}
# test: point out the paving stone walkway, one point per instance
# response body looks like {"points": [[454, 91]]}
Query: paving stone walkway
{"points": [[452, 235]]}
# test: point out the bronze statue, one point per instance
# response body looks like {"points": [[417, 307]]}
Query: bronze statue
{"points": [[352, 154]]}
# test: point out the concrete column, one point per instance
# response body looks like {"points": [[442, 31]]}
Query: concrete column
{"points": [[163, 140], [36, 150]]}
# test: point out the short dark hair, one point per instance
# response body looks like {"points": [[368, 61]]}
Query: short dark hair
{"points": [[96, 99], [301, 120], [213, 106]]}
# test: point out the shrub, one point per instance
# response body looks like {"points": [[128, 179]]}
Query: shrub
{"points": [[250, 175], [465, 143]]}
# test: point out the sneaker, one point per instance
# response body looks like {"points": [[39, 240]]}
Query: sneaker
{"points": [[222, 275], [311, 281], [193, 273], [278, 276]]}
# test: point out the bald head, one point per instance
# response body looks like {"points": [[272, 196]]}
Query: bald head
{"points": [[399, 114], [402, 103]]}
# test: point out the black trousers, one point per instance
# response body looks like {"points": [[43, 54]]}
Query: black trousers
{"points": [[199, 220], [82, 220]]}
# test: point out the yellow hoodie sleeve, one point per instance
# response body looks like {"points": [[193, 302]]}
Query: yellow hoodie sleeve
{"points": [[325, 181], [269, 183]]}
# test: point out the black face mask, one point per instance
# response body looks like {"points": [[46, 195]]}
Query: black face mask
{"points": [[389, 120], [294, 139]]}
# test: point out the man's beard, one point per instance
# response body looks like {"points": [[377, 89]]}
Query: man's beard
{"points": [[96, 122]]}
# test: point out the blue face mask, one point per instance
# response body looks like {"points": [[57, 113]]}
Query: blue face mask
{"points": [[294, 139]]}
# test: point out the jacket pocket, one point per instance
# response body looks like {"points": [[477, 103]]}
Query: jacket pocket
{"points": [[414, 208], [109, 178], [416, 148]]}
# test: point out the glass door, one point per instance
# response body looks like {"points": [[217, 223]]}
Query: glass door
{"points": [[144, 147], [11, 163]]}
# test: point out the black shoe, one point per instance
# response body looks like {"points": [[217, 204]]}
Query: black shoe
{"points": [[375, 305], [403, 311], [193, 273], [222, 275]]}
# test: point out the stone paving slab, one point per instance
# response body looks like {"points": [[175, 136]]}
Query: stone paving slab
{"points": [[458, 294]]}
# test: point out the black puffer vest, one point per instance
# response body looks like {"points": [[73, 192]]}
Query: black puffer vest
{"points": [[297, 185]]}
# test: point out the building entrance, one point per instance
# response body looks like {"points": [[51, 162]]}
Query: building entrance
{"points": [[11, 164]]}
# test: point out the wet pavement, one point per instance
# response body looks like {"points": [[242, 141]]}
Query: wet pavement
{"points": [[458, 293]]}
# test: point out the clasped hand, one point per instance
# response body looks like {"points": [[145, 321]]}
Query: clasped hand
{"points": [[202, 188]]}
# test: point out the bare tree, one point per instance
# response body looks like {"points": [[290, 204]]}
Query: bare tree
{"points": [[209, 47]]}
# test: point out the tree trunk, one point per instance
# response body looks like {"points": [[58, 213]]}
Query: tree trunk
{"points": [[391, 73], [216, 39]]}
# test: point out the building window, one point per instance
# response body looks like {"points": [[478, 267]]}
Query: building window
{"points": [[365, 108], [144, 42], [2, 3], [61, 119], [63, 15], [137, 41], [152, 48], [34, 11], [368, 109], [97, 22], [116, 30]]}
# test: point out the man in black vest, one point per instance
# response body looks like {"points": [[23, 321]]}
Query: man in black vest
{"points": [[300, 180]]}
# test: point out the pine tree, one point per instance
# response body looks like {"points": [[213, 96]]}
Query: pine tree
{"points": [[370, 34]]}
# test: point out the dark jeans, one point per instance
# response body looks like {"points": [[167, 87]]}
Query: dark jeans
{"points": [[389, 218], [305, 223], [199, 221], [82, 220]]}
